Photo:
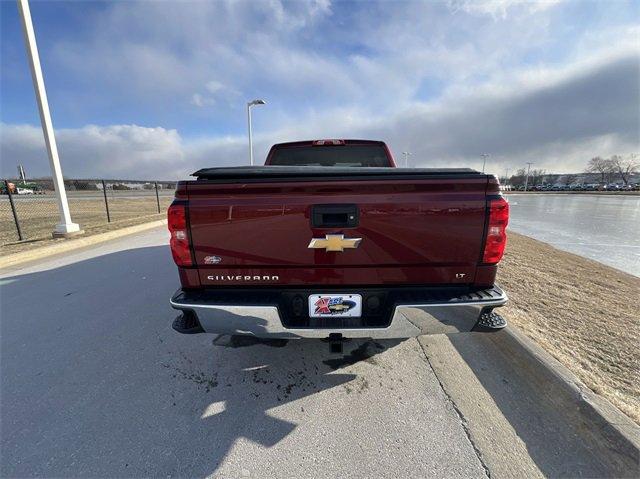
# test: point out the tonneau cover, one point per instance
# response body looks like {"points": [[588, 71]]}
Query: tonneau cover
{"points": [[314, 172]]}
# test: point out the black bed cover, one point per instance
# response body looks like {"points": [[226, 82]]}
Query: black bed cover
{"points": [[310, 173]]}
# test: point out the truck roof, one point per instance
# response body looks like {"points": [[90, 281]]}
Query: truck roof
{"points": [[328, 142]]}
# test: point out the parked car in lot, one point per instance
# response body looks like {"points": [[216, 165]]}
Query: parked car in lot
{"points": [[331, 240], [23, 189], [579, 187]]}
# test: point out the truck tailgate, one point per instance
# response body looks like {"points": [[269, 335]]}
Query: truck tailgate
{"points": [[413, 231]]}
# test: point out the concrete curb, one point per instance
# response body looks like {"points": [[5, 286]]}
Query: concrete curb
{"points": [[617, 427], [525, 413], [17, 259]]}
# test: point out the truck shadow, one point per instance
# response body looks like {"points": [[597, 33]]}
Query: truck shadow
{"points": [[247, 390], [88, 355]]}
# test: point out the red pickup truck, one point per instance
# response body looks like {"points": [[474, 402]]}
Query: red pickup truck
{"points": [[330, 240]]}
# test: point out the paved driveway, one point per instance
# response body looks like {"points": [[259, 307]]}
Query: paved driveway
{"points": [[96, 383]]}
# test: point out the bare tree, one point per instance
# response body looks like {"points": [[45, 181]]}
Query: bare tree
{"points": [[518, 179], [566, 180], [625, 166], [536, 176], [603, 166]]}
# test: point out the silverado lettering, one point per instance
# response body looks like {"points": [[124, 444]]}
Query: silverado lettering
{"points": [[242, 278]]}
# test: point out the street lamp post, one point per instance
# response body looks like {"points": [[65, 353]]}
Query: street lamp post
{"points": [[66, 227], [484, 160], [526, 181], [249, 105], [406, 155]]}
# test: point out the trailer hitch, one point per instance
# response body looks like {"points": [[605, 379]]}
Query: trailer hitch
{"points": [[336, 342]]}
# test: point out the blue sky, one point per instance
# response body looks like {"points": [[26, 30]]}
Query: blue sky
{"points": [[159, 88]]}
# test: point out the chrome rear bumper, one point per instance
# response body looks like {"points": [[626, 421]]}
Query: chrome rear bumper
{"points": [[456, 314]]}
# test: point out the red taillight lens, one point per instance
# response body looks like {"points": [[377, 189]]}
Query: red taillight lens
{"points": [[177, 223], [496, 231]]}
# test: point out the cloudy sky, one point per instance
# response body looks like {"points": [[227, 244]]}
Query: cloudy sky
{"points": [[158, 89]]}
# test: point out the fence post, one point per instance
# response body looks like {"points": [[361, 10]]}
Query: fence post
{"points": [[106, 202], [13, 210], [157, 197]]}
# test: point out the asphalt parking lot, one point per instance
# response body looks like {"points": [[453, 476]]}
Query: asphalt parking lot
{"points": [[95, 383]]}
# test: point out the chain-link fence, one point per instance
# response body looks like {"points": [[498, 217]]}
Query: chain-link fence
{"points": [[29, 209]]}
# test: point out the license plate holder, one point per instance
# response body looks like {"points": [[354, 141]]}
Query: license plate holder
{"points": [[335, 305]]}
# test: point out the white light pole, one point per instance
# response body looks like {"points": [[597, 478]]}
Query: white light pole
{"points": [[406, 155], [526, 181], [249, 105], [66, 227], [484, 160]]}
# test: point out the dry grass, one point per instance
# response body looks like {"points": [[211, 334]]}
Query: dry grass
{"points": [[38, 216], [582, 312], [88, 231]]}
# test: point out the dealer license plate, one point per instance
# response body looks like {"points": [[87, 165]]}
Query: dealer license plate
{"points": [[342, 305]]}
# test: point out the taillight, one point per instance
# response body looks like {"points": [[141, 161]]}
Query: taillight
{"points": [[496, 231], [177, 223]]}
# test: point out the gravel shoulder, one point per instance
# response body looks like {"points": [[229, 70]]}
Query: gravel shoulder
{"points": [[583, 313]]}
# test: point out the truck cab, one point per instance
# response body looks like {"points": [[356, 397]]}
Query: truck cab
{"points": [[346, 153]]}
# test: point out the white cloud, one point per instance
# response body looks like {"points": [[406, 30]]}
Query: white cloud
{"points": [[499, 9], [198, 100], [214, 87], [581, 110], [119, 151], [173, 51], [300, 55], [447, 81], [215, 92]]}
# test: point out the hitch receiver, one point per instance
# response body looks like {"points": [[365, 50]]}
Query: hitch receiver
{"points": [[335, 343]]}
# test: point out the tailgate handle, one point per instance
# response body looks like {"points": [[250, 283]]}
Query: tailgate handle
{"points": [[334, 216]]}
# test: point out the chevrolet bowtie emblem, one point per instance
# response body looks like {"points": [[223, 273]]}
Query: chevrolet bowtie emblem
{"points": [[334, 243]]}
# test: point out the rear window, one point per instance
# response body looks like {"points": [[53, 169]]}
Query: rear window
{"points": [[334, 155]]}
